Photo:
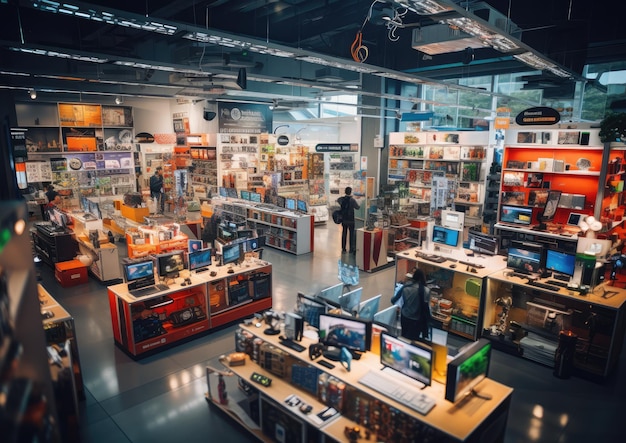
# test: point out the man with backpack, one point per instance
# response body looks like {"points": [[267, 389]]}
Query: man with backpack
{"points": [[348, 204]]}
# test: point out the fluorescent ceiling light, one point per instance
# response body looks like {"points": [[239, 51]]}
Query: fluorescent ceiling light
{"points": [[534, 60], [427, 7], [50, 53]]}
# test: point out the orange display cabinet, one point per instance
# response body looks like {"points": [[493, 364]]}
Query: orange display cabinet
{"points": [[135, 214]]}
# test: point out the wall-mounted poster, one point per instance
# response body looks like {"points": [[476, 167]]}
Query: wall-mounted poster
{"points": [[117, 116], [74, 114], [43, 140]]}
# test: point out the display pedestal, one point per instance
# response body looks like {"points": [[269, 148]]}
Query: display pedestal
{"points": [[371, 249]]}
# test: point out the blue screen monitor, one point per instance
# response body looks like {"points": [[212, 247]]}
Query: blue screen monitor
{"points": [[517, 215], [446, 236], [560, 262], [290, 204], [412, 359], [223, 192], [199, 260], [368, 308], [245, 195], [302, 206], [231, 192], [331, 294], [255, 197], [231, 253], [350, 300]]}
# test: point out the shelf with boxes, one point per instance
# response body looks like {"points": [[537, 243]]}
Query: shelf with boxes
{"points": [[418, 158], [146, 240], [193, 304], [527, 320], [307, 401]]}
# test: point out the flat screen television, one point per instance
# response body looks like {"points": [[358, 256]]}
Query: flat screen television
{"points": [[368, 308], [482, 243], [231, 253], [255, 197], [413, 359], [199, 261], [331, 294], [560, 262], [350, 300], [290, 204], [280, 201], [251, 244], [245, 195], [170, 264], [349, 332], [525, 258], [302, 206], [517, 215], [139, 274], [445, 236], [231, 192], [467, 370]]}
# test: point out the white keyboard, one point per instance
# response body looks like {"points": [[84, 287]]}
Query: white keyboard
{"points": [[395, 390]]}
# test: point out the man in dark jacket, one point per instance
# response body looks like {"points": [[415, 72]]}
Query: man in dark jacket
{"points": [[415, 315], [156, 188], [348, 204]]}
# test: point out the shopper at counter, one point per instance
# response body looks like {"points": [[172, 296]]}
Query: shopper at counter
{"points": [[414, 297], [348, 204], [51, 194], [156, 188]]}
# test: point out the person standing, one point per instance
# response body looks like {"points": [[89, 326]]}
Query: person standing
{"points": [[415, 312], [51, 193], [156, 188], [348, 204]]}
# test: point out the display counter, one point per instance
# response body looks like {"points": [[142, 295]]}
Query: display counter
{"points": [[457, 283], [525, 319], [185, 310], [470, 420]]}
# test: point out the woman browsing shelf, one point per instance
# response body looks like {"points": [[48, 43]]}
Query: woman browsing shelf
{"points": [[414, 298]]}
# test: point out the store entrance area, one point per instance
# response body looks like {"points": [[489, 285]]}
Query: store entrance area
{"points": [[161, 398]]}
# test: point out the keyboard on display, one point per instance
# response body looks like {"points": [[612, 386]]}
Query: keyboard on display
{"points": [[559, 283], [395, 390], [292, 344], [431, 257], [538, 284]]}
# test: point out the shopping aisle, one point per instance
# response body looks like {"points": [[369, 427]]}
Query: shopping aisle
{"points": [[160, 399]]}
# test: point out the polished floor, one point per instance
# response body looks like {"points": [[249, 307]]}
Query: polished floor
{"points": [[160, 399]]}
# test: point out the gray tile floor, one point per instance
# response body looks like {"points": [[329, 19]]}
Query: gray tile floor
{"points": [[160, 399]]}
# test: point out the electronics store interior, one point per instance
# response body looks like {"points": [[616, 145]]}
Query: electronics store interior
{"points": [[211, 269]]}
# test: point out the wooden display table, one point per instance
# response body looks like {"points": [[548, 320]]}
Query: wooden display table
{"points": [[143, 325], [470, 420]]}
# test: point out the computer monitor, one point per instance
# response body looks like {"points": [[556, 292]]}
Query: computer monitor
{"points": [[223, 192], [290, 204], [349, 332], [388, 317], [517, 215], [251, 244], [467, 370], [482, 243], [245, 195], [560, 262], [331, 294], [255, 197], [244, 233], [445, 236], [199, 261], [94, 209], [139, 274], [231, 253], [413, 359], [231, 192], [452, 219], [170, 264], [350, 300], [280, 201], [525, 258], [549, 210], [368, 308], [301, 206]]}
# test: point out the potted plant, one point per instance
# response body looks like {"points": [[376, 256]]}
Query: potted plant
{"points": [[613, 128]]}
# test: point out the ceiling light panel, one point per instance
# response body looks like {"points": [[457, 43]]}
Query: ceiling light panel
{"points": [[426, 7], [104, 16]]}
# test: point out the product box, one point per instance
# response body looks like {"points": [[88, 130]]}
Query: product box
{"points": [[70, 273], [135, 214]]}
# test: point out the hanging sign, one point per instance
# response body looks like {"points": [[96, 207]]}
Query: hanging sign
{"points": [[337, 147], [539, 115]]}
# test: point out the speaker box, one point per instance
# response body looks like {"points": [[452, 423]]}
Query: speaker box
{"points": [[473, 287]]}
